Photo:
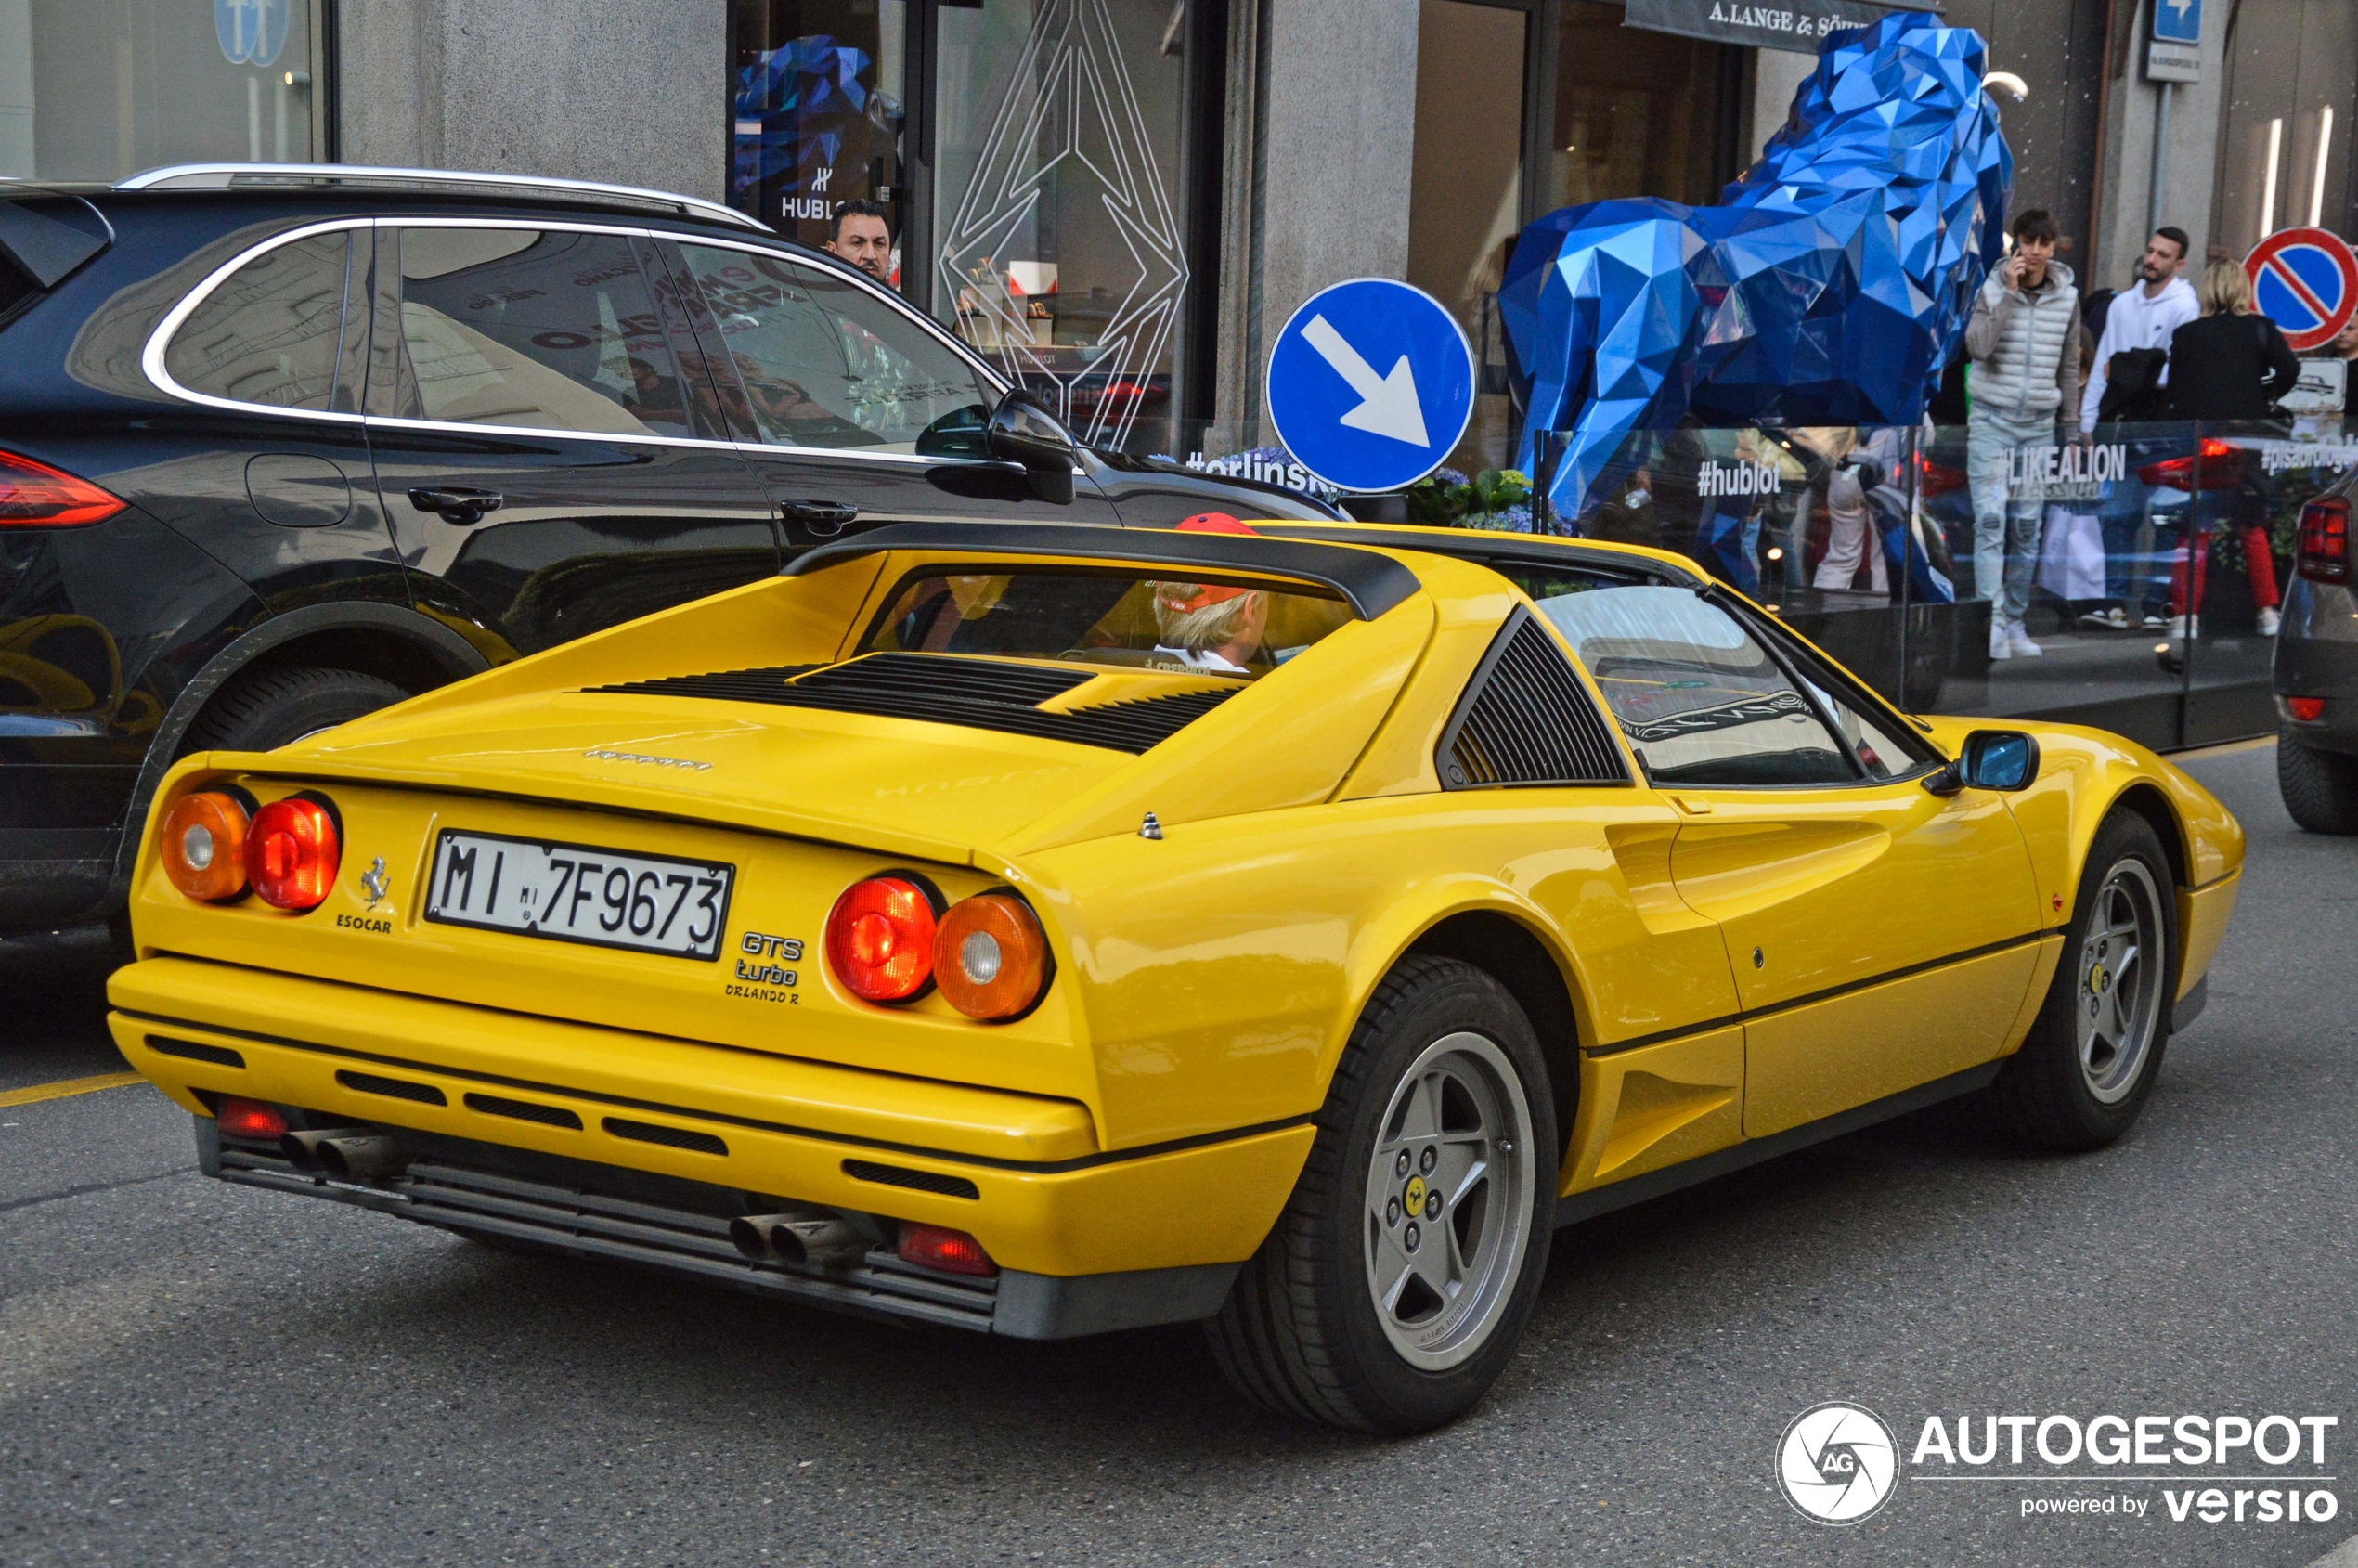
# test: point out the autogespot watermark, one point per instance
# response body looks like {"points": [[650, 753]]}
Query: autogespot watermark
{"points": [[1839, 1463]]}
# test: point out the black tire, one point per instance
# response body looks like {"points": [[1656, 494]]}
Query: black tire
{"points": [[2048, 1095], [1300, 1332], [2320, 787], [281, 706]]}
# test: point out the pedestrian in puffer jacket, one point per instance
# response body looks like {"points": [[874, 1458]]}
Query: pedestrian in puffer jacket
{"points": [[2023, 339]]}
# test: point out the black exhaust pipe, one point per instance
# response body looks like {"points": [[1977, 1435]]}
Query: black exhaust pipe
{"points": [[345, 1154], [801, 1239]]}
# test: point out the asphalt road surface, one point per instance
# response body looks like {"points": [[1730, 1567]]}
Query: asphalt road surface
{"points": [[192, 1373]]}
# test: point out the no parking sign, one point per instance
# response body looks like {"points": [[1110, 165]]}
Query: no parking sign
{"points": [[2306, 281]]}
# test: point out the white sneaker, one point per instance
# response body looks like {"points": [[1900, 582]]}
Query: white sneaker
{"points": [[2268, 621], [2000, 648], [2018, 643], [2181, 625]]}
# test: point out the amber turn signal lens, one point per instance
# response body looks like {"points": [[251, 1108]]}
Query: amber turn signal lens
{"points": [[989, 958], [204, 846], [291, 852], [880, 938]]}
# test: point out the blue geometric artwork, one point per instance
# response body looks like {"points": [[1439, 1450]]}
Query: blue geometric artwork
{"points": [[1830, 287]]}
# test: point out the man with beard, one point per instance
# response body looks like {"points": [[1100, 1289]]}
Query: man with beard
{"points": [[863, 238]]}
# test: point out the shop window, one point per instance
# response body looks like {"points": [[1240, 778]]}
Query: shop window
{"points": [[109, 87], [540, 330], [1059, 225], [818, 97], [276, 332], [1639, 113], [1465, 197]]}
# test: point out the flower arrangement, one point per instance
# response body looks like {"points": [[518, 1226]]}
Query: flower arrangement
{"points": [[1498, 499]]}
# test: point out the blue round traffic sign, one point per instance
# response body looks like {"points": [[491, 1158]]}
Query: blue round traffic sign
{"points": [[2306, 281], [1371, 384], [251, 32]]}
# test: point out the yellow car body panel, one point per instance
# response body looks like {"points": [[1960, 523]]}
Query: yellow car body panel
{"points": [[1733, 964]]}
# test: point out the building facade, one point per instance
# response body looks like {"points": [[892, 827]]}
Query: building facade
{"points": [[1124, 200]]}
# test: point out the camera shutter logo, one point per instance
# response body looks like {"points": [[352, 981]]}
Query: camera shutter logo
{"points": [[1837, 1463]]}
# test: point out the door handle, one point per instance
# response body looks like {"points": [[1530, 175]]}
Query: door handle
{"points": [[460, 505], [822, 518]]}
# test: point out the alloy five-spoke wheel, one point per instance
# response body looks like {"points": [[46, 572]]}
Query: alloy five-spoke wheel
{"points": [[2092, 1056], [1448, 1200], [2120, 976], [1392, 1291]]}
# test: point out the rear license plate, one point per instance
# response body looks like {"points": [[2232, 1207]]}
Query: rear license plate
{"points": [[579, 893]]}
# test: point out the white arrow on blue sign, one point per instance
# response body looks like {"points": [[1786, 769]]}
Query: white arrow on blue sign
{"points": [[1355, 426], [2179, 21]]}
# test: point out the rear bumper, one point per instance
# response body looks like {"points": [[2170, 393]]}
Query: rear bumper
{"points": [[571, 1207], [1020, 1173]]}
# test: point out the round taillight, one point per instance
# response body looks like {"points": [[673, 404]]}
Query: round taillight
{"points": [[291, 851], [880, 938], [204, 846], [989, 958]]}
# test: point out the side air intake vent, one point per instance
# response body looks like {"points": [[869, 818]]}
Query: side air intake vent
{"points": [[981, 693], [1526, 719]]}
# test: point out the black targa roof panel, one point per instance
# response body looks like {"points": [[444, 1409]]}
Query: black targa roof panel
{"points": [[1369, 583]]}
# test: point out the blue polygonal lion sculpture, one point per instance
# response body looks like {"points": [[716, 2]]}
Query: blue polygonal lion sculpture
{"points": [[1828, 288]]}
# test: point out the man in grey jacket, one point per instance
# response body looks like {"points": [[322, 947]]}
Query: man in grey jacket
{"points": [[2024, 342]]}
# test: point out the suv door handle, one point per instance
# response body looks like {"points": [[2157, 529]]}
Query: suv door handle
{"points": [[822, 518], [460, 505]]}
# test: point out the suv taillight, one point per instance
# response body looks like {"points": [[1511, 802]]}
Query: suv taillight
{"points": [[2324, 554], [34, 495]]}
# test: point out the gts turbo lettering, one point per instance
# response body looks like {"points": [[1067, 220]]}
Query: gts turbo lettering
{"points": [[763, 947]]}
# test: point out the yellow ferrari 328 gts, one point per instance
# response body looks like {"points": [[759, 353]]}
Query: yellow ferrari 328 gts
{"points": [[1048, 929]]}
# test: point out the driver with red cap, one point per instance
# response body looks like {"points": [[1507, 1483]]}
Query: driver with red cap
{"points": [[1206, 627]]}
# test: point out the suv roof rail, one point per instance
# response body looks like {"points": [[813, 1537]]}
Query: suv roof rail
{"points": [[222, 177]]}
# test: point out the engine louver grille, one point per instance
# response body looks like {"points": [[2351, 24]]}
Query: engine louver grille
{"points": [[981, 693], [1526, 719]]}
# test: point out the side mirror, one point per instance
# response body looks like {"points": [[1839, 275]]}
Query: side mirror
{"points": [[1024, 430], [2000, 760]]}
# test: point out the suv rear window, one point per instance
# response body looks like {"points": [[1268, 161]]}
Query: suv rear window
{"points": [[277, 332], [1235, 629]]}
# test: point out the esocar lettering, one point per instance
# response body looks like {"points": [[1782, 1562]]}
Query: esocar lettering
{"points": [[364, 923]]}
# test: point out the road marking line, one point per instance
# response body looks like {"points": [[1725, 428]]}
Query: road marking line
{"points": [[66, 1087]]}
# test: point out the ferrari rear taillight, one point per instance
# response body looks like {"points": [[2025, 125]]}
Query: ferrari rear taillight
{"points": [[989, 958], [880, 937], [34, 495], [2323, 555], [951, 1251], [291, 851], [204, 846]]}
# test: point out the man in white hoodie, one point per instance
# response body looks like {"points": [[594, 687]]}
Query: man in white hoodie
{"points": [[2024, 341], [2142, 316], [2145, 316]]}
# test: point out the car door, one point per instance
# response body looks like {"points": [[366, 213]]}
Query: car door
{"points": [[854, 412], [551, 461], [1881, 936]]}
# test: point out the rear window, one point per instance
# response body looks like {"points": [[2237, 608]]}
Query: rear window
{"points": [[1233, 628], [277, 333]]}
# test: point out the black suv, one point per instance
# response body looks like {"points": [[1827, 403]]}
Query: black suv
{"points": [[279, 446], [2316, 674]]}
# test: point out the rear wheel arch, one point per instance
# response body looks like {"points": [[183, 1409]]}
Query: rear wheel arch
{"points": [[1519, 959]]}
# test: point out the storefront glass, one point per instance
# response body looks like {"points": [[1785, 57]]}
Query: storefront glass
{"points": [[1059, 201], [1465, 197], [1639, 113], [820, 113], [98, 89], [2142, 571]]}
